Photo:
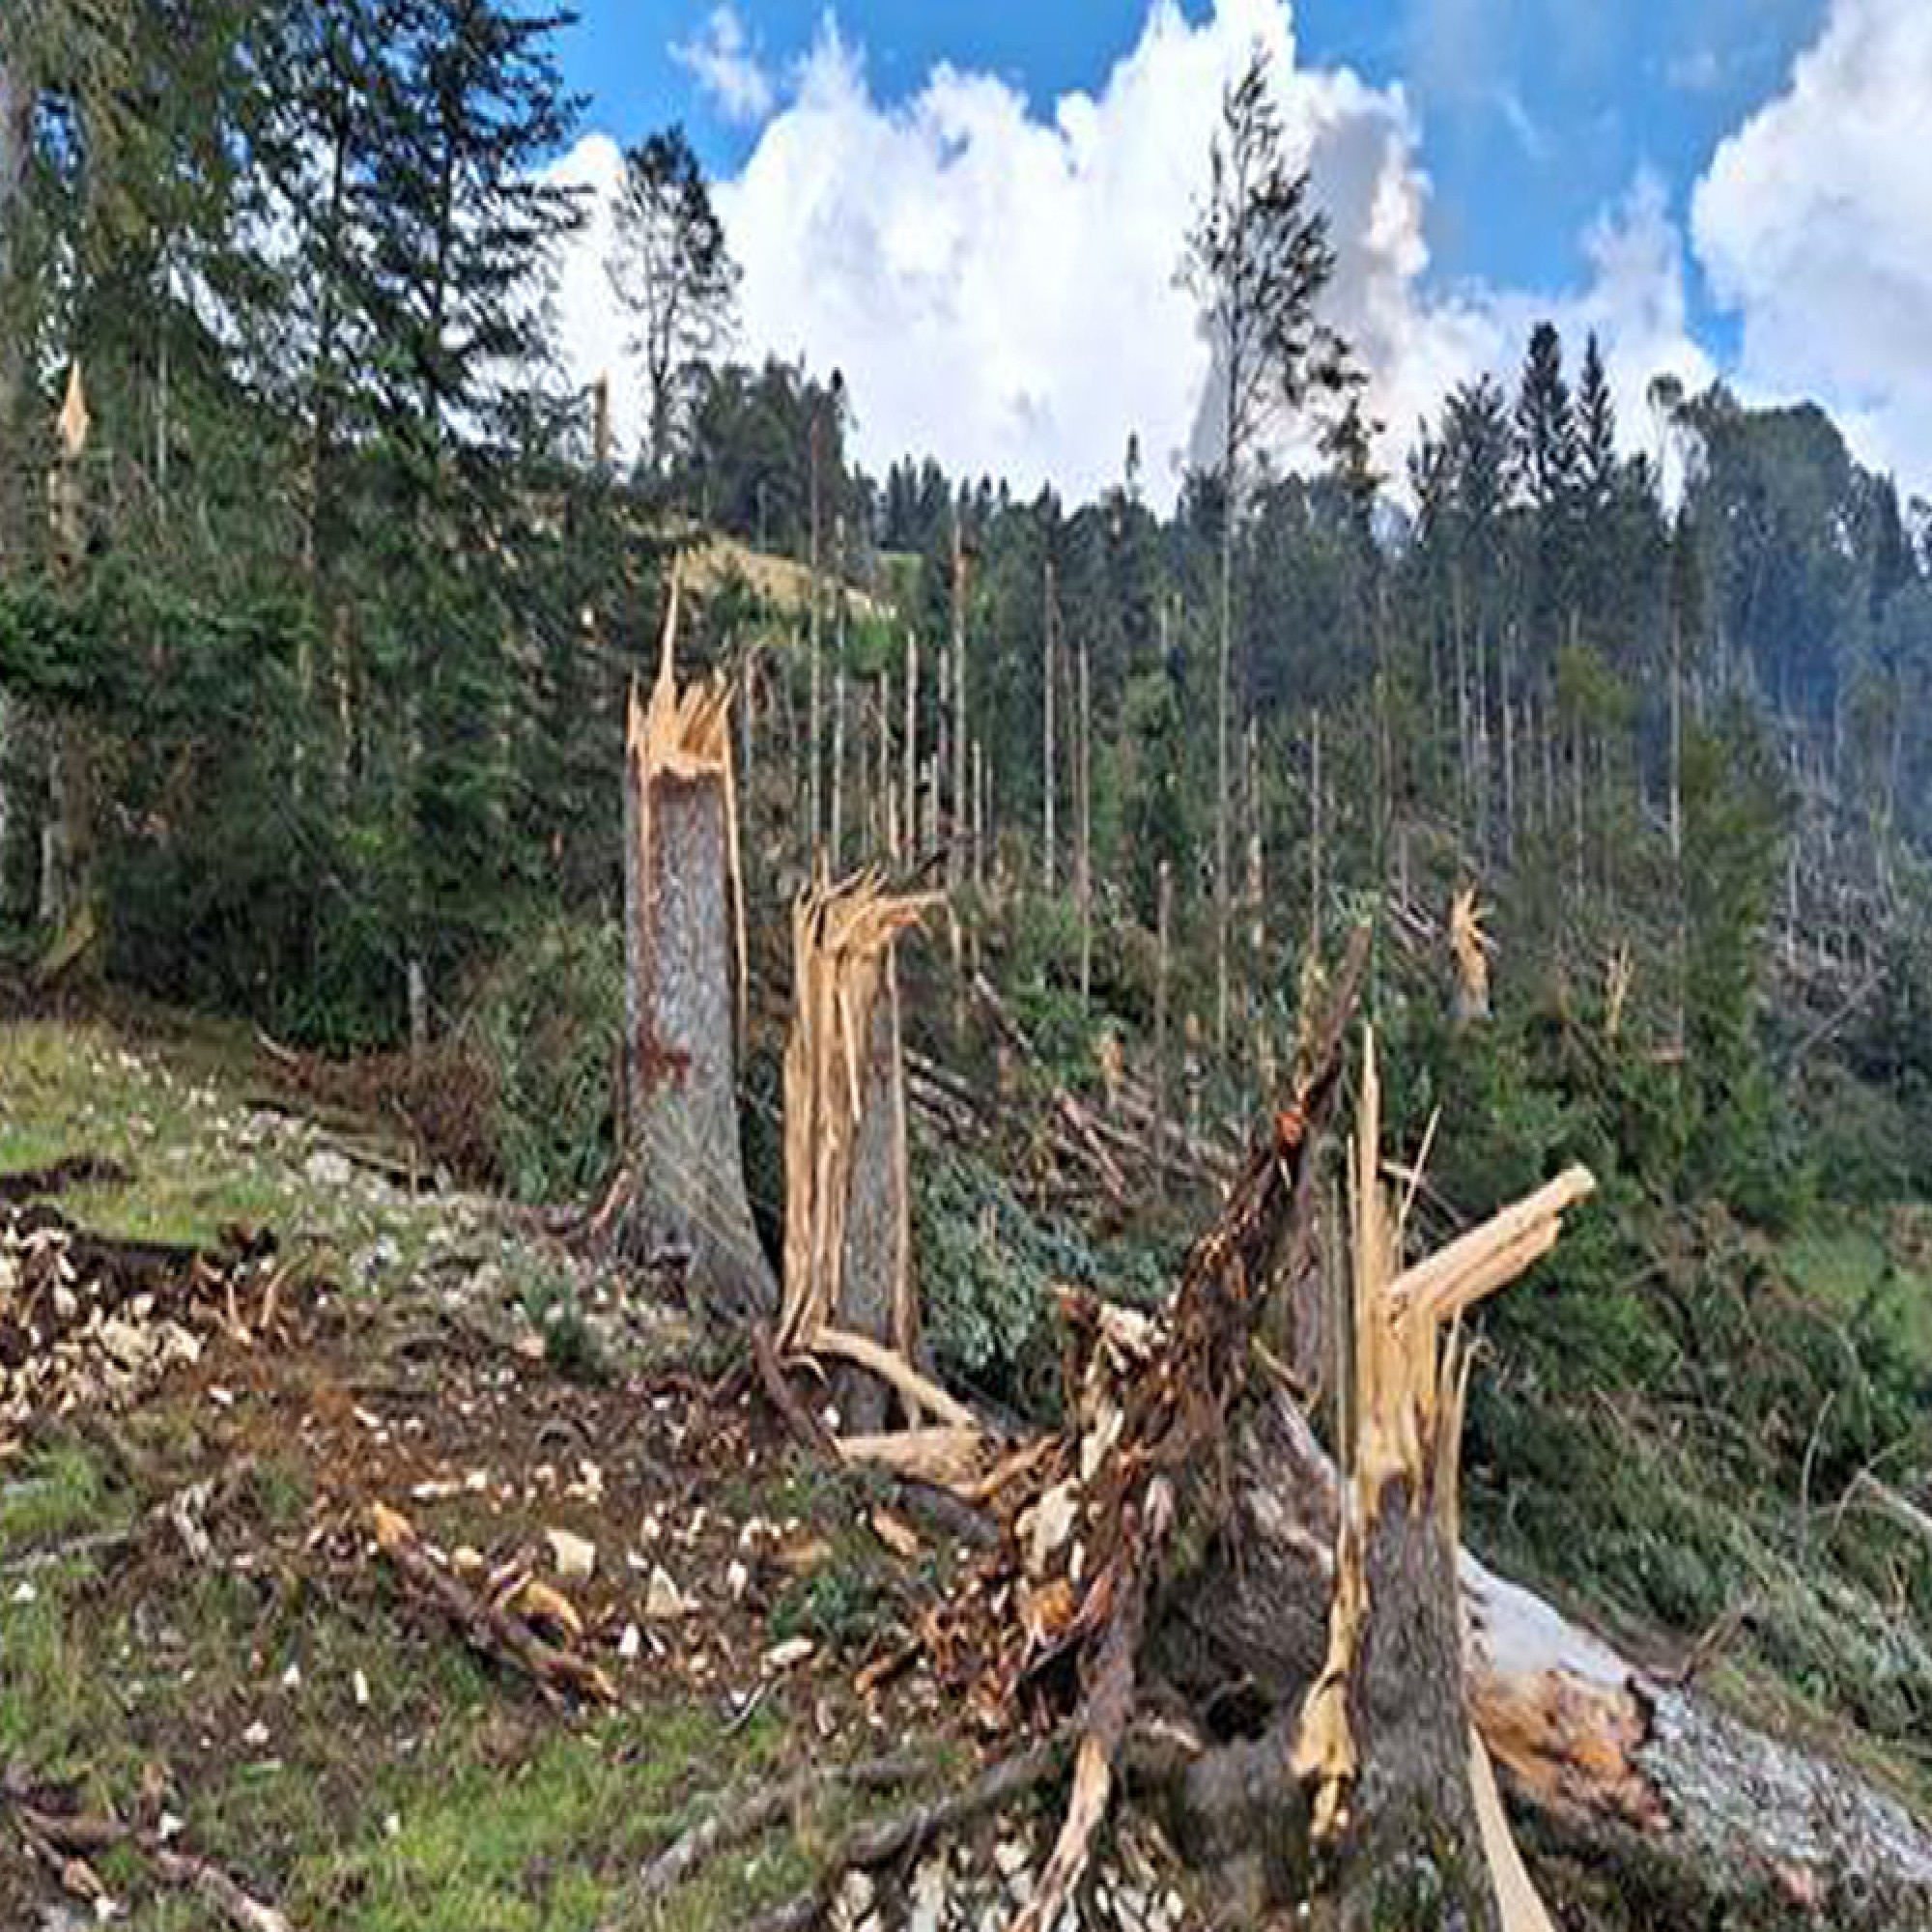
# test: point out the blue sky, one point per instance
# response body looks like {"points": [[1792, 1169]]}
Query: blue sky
{"points": [[1534, 113], [956, 201]]}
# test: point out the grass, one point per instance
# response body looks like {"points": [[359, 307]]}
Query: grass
{"points": [[450, 1800], [1853, 1265], [200, 1155]]}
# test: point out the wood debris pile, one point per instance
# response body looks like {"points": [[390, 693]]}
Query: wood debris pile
{"points": [[89, 1322]]}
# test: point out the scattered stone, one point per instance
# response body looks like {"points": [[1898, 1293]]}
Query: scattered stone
{"points": [[1012, 1856], [325, 1168], [576, 1556], [664, 1602], [928, 1904], [788, 1656]]}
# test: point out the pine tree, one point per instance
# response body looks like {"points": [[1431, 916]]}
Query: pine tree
{"points": [[673, 272], [460, 229], [1546, 460], [1596, 430], [1257, 261]]}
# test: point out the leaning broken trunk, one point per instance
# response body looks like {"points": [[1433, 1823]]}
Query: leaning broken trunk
{"points": [[684, 1210]]}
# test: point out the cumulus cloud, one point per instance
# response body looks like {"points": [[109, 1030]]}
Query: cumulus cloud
{"points": [[998, 284], [1811, 223], [726, 64]]}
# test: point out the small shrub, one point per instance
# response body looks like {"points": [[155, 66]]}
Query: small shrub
{"points": [[546, 1019]]}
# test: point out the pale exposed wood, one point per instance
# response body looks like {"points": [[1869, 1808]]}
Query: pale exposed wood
{"points": [[948, 1458], [1474, 1264], [835, 1068], [919, 1391], [1517, 1899], [1473, 949]]}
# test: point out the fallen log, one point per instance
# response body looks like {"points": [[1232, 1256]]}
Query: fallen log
{"points": [[1233, 1605], [1578, 1731]]}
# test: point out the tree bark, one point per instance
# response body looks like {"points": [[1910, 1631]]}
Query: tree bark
{"points": [[687, 1212], [1048, 761], [1602, 1746]]}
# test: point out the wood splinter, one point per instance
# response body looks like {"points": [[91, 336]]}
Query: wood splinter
{"points": [[1386, 1743]]}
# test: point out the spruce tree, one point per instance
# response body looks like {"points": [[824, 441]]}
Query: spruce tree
{"points": [[1596, 430]]}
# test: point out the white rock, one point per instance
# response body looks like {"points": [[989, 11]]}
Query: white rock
{"points": [[1010, 1856], [630, 1644], [664, 1602], [928, 1912], [325, 1168], [787, 1656], [576, 1555]]}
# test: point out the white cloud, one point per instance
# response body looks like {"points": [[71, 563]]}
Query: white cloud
{"points": [[1812, 223], [998, 286], [726, 65]]}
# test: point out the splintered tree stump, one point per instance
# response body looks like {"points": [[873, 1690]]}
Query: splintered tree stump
{"points": [[1383, 1737], [1412, 1857], [848, 1288], [686, 1213]]}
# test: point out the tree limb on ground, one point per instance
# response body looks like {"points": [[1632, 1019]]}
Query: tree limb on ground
{"points": [[490, 1629]]}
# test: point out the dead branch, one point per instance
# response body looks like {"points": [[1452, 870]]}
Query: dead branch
{"points": [[906, 1833], [735, 1823], [83, 1837], [490, 1629]]}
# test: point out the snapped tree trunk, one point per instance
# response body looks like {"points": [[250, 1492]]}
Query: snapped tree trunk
{"points": [[848, 1241], [687, 1213]]}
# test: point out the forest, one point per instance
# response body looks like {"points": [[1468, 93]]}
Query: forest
{"points": [[736, 1192]]}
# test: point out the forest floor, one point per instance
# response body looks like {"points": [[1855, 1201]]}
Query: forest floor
{"points": [[200, 1636]]}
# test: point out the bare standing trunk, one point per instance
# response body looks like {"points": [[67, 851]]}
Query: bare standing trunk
{"points": [[1083, 861], [956, 869], [68, 869], [909, 807], [979, 805], [1223, 678], [1048, 766], [1508, 762], [838, 837], [685, 1211], [1164, 892], [814, 730], [1314, 879]]}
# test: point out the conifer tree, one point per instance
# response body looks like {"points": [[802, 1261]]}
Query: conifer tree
{"points": [[673, 273], [1257, 261]]}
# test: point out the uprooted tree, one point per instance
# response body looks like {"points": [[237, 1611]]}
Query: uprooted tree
{"points": [[1293, 1661], [681, 1208]]}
